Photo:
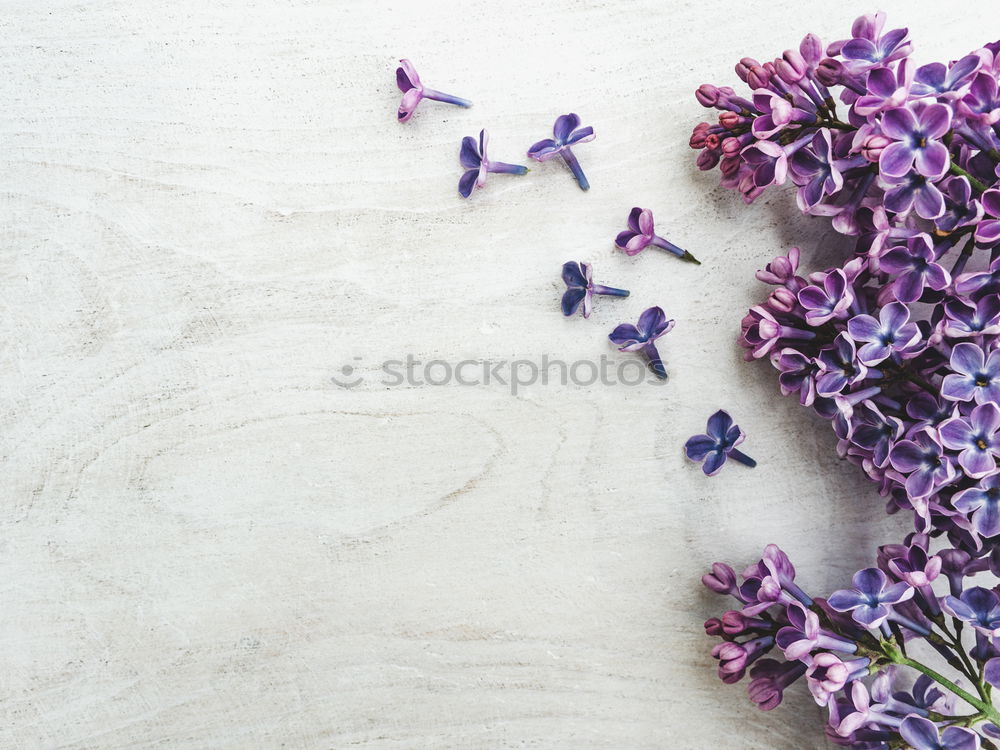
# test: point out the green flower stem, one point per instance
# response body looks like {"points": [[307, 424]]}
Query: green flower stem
{"points": [[987, 710], [976, 184]]}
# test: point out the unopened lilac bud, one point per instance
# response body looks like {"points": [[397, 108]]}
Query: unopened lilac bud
{"points": [[811, 49], [873, 145], [730, 166], [783, 300], [707, 159], [830, 72], [791, 67], [758, 77], [744, 66], [713, 627], [712, 141], [731, 146], [707, 95], [730, 120], [698, 135]]}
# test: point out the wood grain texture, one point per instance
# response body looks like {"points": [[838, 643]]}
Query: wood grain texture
{"points": [[208, 209]]}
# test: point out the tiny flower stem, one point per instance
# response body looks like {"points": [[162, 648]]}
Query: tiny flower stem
{"points": [[670, 247], [609, 290], [570, 158], [987, 710], [501, 167], [976, 184], [742, 458], [654, 360], [440, 96]]}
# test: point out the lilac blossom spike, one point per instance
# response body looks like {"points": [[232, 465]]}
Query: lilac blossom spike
{"points": [[414, 92], [717, 444], [641, 235], [580, 288], [565, 133], [477, 165], [642, 337]]}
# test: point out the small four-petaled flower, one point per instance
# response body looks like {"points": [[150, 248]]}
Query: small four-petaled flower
{"points": [[718, 444], [473, 157], [581, 288]]}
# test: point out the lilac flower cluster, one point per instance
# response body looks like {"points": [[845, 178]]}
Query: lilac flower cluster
{"points": [[852, 648], [917, 148]]}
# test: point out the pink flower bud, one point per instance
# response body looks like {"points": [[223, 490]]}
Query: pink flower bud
{"points": [[712, 141], [743, 67], [697, 139], [792, 67], [707, 159], [730, 166], [811, 49], [829, 72], [731, 146], [707, 95], [730, 120], [873, 145]]}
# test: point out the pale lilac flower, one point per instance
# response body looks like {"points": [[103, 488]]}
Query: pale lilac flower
{"points": [[566, 132], [988, 232], [641, 234], [915, 269], [832, 300], [981, 102], [976, 437], [414, 91], [828, 674], [815, 171], [923, 460], [718, 444], [974, 375], [839, 367], [913, 191], [870, 600], [937, 79], [892, 332], [580, 288], [966, 319], [977, 606], [916, 137], [473, 157], [652, 325], [983, 502], [922, 734], [886, 89]]}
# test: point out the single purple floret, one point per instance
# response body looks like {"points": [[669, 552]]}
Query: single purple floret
{"points": [[414, 92], [936, 79], [976, 437], [839, 367], [566, 132], [922, 734], [581, 288], [891, 332], [641, 234], [915, 269], [983, 503], [915, 134], [977, 606], [641, 337], [870, 600], [718, 444], [922, 459], [988, 231], [831, 300], [974, 376], [473, 157]]}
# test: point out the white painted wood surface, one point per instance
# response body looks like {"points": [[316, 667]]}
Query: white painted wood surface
{"points": [[208, 209]]}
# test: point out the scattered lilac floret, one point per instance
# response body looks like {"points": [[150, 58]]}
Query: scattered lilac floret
{"points": [[580, 288], [566, 132], [414, 92], [642, 337], [477, 165], [641, 234], [718, 444]]}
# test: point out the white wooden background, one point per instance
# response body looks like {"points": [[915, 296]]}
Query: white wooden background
{"points": [[208, 208]]}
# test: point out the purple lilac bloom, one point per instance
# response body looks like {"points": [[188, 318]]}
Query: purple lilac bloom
{"points": [[981, 102], [641, 234], [839, 367], [922, 459], [915, 269], [978, 607], [936, 79], [815, 171], [870, 600], [974, 375], [965, 319], [473, 157], [717, 444], [960, 208], [581, 288], [988, 232], [891, 332], [414, 92], [831, 300], [983, 503], [915, 135], [565, 133], [922, 734], [976, 437], [641, 337]]}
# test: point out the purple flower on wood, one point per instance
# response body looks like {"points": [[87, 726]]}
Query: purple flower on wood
{"points": [[974, 375], [652, 325], [922, 734], [916, 137], [870, 599], [581, 288], [923, 460], [414, 92], [976, 437], [983, 503], [891, 332], [832, 300], [915, 269], [839, 367], [913, 191], [473, 157], [936, 79], [988, 231], [718, 444], [566, 132], [641, 234], [815, 172], [976, 606]]}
